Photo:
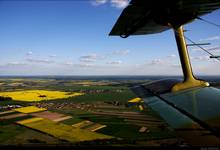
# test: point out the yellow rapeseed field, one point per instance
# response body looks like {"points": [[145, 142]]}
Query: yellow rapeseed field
{"points": [[135, 100], [38, 95], [29, 109], [62, 131], [27, 121]]}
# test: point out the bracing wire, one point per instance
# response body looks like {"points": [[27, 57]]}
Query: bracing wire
{"points": [[201, 47], [209, 22]]}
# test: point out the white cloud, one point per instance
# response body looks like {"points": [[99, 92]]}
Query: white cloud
{"points": [[70, 68], [214, 49], [91, 58], [15, 63], [211, 68], [121, 52], [117, 62], [78, 65], [200, 58], [83, 65], [176, 65], [88, 58], [47, 61], [157, 62], [53, 55], [119, 3], [69, 63], [213, 38], [158, 68], [29, 53], [166, 60], [196, 49], [172, 56], [113, 3], [98, 2], [166, 65]]}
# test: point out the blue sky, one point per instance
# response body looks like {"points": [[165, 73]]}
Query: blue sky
{"points": [[71, 38]]}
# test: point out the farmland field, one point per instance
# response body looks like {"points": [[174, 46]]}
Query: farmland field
{"points": [[62, 131], [29, 109], [98, 109], [38, 95]]}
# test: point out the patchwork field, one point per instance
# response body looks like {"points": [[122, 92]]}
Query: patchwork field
{"points": [[62, 131], [46, 122], [88, 112], [38, 95]]}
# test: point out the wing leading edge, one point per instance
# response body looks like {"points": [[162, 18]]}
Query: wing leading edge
{"points": [[153, 16]]}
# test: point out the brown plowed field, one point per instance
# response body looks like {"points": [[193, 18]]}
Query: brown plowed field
{"points": [[49, 115]]}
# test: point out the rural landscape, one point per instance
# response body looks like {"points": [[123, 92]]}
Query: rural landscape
{"points": [[65, 112], [118, 73], [62, 112]]}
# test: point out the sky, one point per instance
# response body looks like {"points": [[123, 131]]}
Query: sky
{"points": [[70, 37]]}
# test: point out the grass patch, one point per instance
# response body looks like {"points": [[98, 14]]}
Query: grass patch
{"points": [[10, 131], [110, 96], [12, 102], [18, 135], [119, 128]]}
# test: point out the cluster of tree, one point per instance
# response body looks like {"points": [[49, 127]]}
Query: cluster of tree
{"points": [[5, 98], [42, 96]]}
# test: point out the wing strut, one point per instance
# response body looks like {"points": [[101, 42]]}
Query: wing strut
{"points": [[189, 79]]}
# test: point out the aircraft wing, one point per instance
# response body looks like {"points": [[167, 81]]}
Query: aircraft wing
{"points": [[154, 16], [193, 113]]}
